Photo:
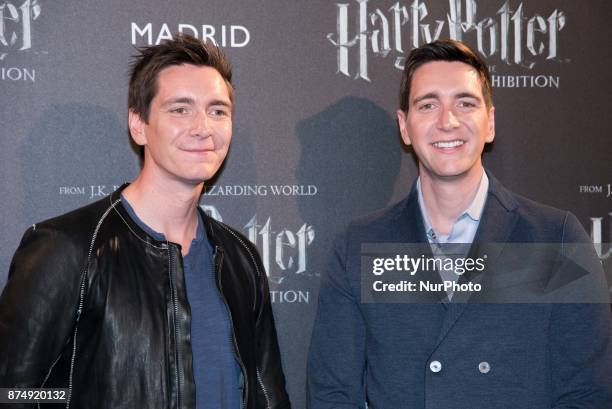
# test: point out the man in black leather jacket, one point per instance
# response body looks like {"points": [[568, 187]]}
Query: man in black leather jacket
{"points": [[98, 300]]}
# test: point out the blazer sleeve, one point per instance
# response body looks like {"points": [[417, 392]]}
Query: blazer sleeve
{"points": [[581, 340], [337, 356], [38, 306]]}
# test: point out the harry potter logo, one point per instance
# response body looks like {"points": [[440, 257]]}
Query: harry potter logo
{"points": [[511, 36], [282, 252], [16, 25]]}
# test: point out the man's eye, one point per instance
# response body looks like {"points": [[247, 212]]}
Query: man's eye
{"points": [[467, 104], [179, 110], [426, 106], [219, 112]]}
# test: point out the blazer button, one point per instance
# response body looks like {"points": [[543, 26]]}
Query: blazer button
{"points": [[435, 366], [484, 367]]}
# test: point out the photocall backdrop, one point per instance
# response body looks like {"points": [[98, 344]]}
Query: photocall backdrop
{"points": [[315, 141]]}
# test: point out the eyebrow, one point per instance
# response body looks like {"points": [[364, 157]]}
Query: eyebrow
{"points": [[429, 95], [181, 100], [468, 95], [187, 100], [221, 102]]}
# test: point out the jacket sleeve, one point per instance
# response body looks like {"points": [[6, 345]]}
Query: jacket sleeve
{"points": [[37, 306], [337, 358], [581, 339], [271, 392]]}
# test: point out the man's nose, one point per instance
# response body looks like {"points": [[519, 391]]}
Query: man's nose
{"points": [[201, 125], [447, 120]]}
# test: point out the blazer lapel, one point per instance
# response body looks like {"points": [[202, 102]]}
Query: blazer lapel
{"points": [[410, 229], [496, 225]]}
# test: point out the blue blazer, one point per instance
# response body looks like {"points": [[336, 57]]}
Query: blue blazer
{"points": [[459, 355]]}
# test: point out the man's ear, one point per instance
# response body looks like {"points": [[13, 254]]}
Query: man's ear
{"points": [[137, 128], [491, 126], [401, 121]]}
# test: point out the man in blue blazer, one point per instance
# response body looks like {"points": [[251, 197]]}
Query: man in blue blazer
{"points": [[447, 349]]}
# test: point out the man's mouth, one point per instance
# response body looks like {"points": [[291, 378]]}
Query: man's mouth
{"points": [[198, 150], [448, 144]]}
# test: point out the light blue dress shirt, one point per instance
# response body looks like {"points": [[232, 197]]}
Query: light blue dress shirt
{"points": [[463, 229]]}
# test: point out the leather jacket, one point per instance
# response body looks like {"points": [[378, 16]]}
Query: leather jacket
{"points": [[95, 305]]}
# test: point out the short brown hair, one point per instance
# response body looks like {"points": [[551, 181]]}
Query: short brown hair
{"points": [[150, 61], [444, 50]]}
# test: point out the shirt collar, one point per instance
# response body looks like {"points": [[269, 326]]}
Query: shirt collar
{"points": [[200, 231], [474, 210]]}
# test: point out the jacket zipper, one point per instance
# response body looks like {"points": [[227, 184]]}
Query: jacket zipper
{"points": [[250, 255], [259, 380], [81, 305], [74, 340], [232, 336], [177, 352], [263, 388]]}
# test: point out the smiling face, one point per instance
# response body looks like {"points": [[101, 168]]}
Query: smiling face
{"points": [[448, 122], [189, 126]]}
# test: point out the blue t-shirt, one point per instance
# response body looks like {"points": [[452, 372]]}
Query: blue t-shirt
{"points": [[215, 369]]}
